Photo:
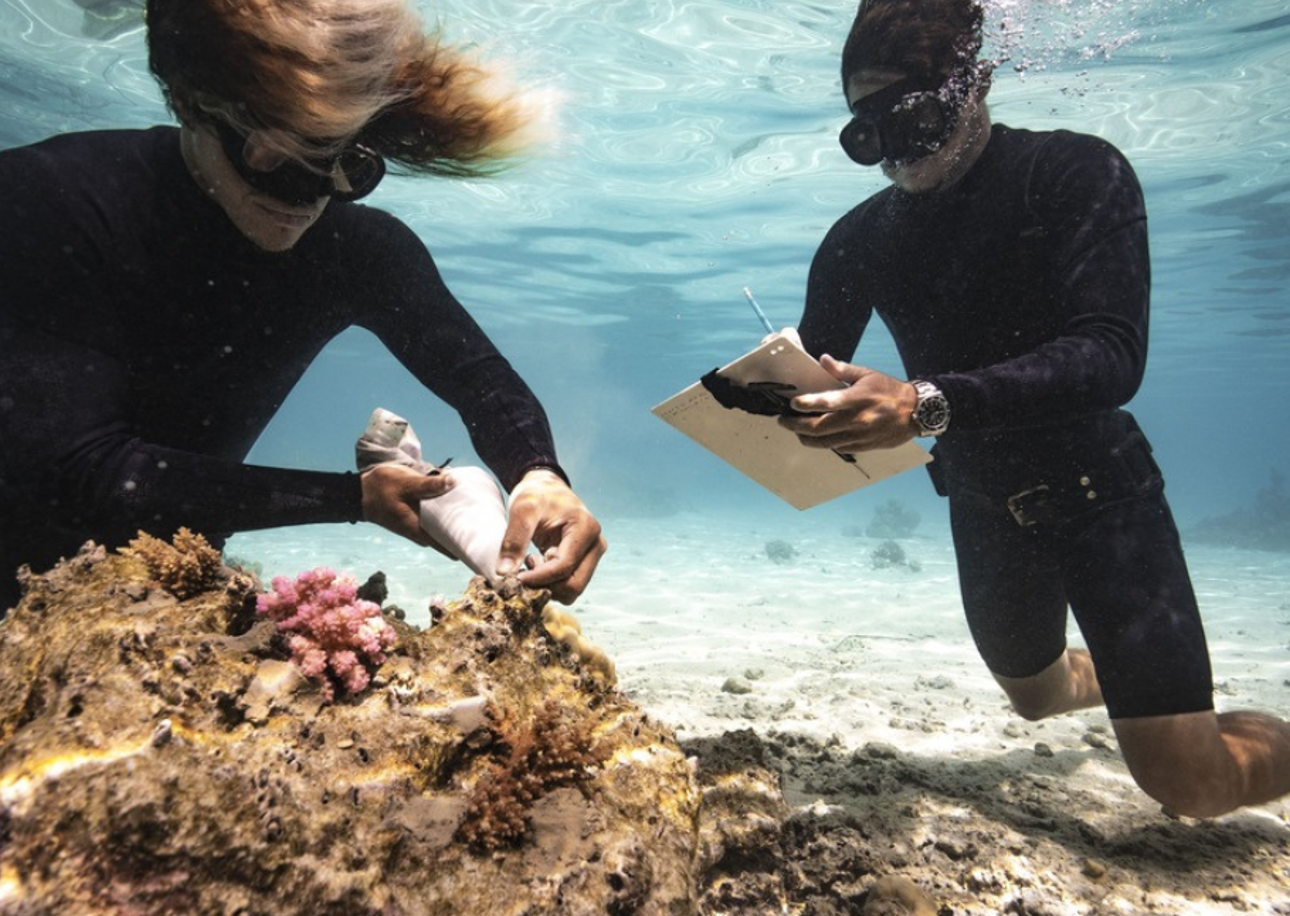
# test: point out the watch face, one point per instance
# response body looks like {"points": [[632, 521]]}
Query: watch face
{"points": [[934, 414]]}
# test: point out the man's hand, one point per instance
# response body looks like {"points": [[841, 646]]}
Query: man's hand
{"points": [[873, 411], [392, 497], [545, 512]]}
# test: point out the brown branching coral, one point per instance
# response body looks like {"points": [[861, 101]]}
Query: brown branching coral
{"points": [[184, 567], [556, 749]]}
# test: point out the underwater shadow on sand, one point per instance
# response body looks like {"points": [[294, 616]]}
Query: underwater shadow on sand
{"points": [[957, 811]]}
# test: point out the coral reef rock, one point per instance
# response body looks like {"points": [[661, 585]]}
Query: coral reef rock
{"points": [[1262, 525], [161, 755], [893, 519], [889, 555], [780, 551]]}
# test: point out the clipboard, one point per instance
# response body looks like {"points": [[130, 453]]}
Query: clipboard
{"points": [[763, 450]]}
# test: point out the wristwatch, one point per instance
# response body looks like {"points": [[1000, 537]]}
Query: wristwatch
{"points": [[932, 413]]}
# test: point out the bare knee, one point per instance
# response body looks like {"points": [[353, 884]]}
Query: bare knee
{"points": [[1189, 794], [1031, 705], [1067, 684], [1182, 762]]}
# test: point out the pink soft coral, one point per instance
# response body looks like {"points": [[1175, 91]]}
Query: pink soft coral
{"points": [[335, 636]]}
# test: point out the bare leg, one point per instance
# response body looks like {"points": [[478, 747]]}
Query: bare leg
{"points": [[1067, 684], [1198, 764], [1203, 764]]}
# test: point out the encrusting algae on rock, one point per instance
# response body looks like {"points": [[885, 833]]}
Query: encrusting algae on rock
{"points": [[161, 754]]}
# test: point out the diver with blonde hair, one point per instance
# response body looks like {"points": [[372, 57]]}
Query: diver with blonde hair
{"points": [[166, 288], [316, 75]]}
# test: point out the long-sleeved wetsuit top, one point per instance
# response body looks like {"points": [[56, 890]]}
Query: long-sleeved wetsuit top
{"points": [[1021, 291], [145, 344]]}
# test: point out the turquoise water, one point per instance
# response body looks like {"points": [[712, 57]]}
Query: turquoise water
{"points": [[694, 153]]}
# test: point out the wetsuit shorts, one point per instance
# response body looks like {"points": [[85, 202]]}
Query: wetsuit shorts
{"points": [[1120, 569]]}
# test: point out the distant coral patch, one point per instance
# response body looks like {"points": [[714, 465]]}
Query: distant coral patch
{"points": [[780, 551], [893, 519], [1262, 525]]}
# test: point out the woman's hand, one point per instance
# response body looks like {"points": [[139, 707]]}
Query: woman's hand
{"points": [[544, 511], [873, 411], [392, 497]]}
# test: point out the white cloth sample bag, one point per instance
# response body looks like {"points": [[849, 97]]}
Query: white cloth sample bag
{"points": [[469, 520]]}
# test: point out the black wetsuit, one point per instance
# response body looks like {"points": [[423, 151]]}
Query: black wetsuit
{"points": [[145, 344], [1022, 292]]}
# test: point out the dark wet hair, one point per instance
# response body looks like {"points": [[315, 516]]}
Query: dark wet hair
{"points": [[927, 39]]}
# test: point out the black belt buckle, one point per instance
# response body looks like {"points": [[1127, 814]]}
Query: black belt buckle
{"points": [[1033, 506]]}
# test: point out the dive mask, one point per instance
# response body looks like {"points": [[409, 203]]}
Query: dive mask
{"points": [[904, 122], [353, 173]]}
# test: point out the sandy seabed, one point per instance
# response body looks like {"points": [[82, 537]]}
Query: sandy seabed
{"points": [[871, 703]]}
